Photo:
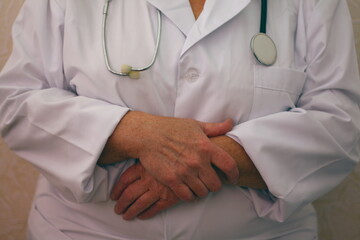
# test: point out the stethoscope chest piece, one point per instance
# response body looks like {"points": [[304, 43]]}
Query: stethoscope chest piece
{"points": [[264, 49]]}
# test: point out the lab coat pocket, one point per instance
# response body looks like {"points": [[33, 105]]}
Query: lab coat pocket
{"points": [[275, 90]]}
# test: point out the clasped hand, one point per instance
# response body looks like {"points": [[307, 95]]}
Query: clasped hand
{"points": [[175, 153]]}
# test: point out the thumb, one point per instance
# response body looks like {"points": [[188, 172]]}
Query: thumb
{"points": [[217, 129]]}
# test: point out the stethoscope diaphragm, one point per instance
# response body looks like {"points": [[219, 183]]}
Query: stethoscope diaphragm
{"points": [[264, 49]]}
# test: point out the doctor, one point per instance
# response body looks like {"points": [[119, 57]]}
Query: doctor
{"points": [[166, 138]]}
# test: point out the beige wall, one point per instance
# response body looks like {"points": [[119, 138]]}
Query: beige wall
{"points": [[17, 177], [339, 211]]}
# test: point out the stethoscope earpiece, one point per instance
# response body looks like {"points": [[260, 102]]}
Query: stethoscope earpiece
{"points": [[127, 70]]}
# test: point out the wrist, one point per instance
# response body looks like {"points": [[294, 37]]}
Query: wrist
{"points": [[126, 138], [124, 141]]}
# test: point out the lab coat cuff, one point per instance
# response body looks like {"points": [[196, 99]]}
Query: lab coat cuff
{"points": [[69, 161], [95, 186], [292, 181], [267, 204]]}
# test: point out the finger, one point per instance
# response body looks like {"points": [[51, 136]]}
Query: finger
{"points": [[156, 208], [211, 180], [217, 129], [226, 164], [128, 177], [140, 205], [183, 192], [197, 186], [130, 195], [152, 211]]}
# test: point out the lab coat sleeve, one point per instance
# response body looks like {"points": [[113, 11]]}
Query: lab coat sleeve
{"points": [[306, 151], [42, 118]]}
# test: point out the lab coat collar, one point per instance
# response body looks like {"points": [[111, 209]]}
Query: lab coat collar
{"points": [[178, 11], [215, 14]]}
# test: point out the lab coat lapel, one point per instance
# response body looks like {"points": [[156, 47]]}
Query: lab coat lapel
{"points": [[178, 11], [215, 14]]}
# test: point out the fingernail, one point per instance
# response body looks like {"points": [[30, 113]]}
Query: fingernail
{"points": [[117, 210], [127, 218], [190, 199]]}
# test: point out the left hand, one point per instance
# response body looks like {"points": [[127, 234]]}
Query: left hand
{"points": [[176, 151], [138, 194]]}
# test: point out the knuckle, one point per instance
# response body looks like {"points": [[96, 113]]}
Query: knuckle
{"points": [[203, 145], [127, 195], [170, 180], [193, 164], [229, 166], [184, 171], [216, 186]]}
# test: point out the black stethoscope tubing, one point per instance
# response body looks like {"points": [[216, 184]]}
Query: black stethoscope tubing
{"points": [[263, 19]]}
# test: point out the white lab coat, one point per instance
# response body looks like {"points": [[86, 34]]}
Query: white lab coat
{"points": [[298, 120]]}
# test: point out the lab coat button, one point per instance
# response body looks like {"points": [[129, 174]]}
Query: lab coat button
{"points": [[192, 75]]}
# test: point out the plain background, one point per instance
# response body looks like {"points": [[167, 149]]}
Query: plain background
{"points": [[339, 210]]}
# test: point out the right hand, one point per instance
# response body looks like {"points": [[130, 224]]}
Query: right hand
{"points": [[138, 194], [177, 151]]}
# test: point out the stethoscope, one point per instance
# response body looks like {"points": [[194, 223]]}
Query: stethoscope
{"points": [[262, 46]]}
